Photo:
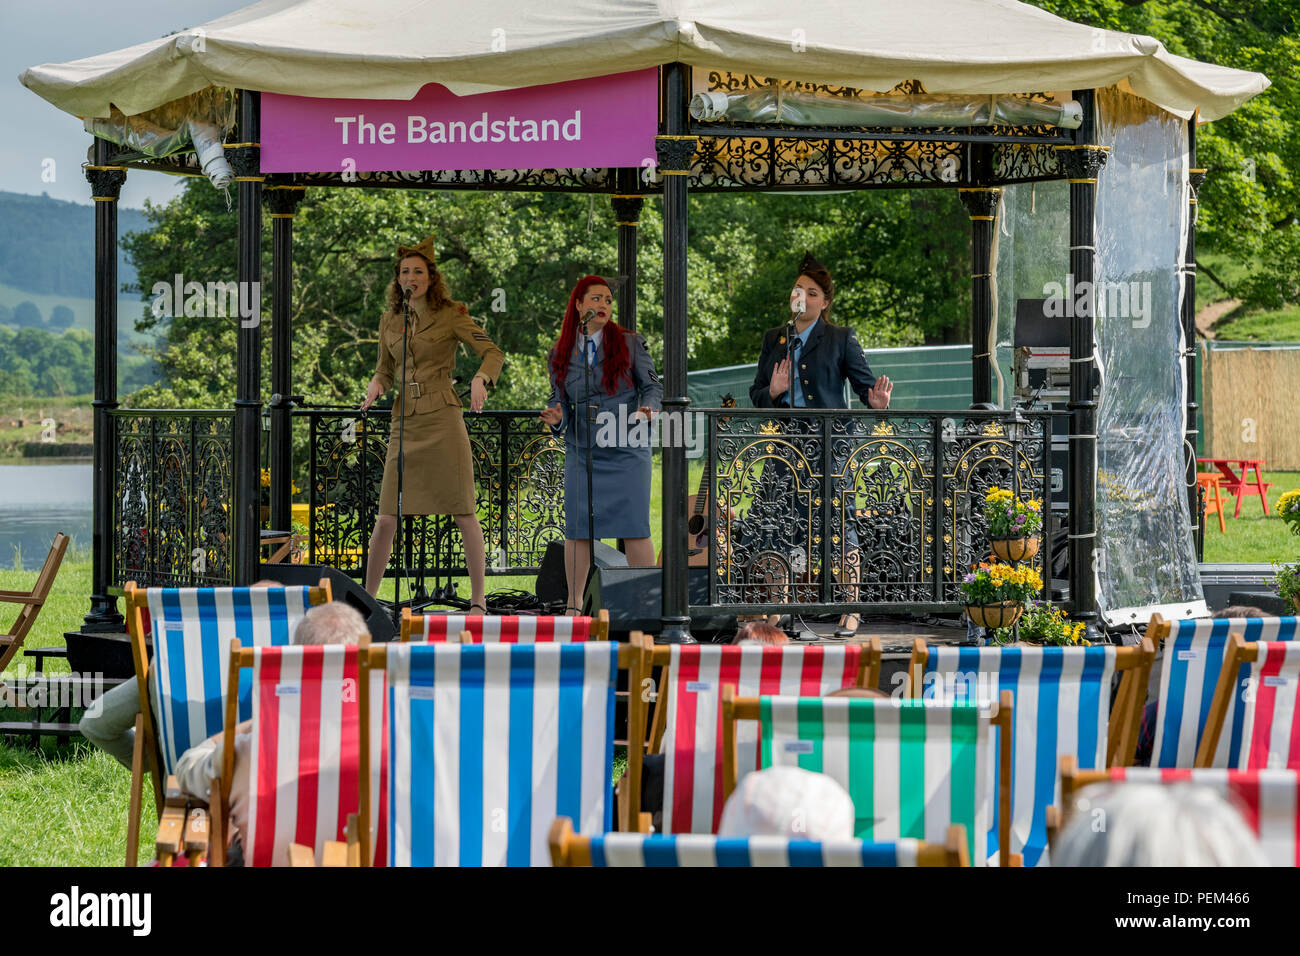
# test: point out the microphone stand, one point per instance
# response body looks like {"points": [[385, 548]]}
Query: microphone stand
{"points": [[401, 464], [591, 412]]}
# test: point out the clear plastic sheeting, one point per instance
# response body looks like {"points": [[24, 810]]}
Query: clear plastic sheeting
{"points": [[776, 104], [1031, 251], [1144, 538], [200, 121]]}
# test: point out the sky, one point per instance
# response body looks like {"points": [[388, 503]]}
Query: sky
{"points": [[55, 31]]}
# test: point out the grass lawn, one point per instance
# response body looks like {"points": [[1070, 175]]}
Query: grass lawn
{"points": [[1253, 537], [1282, 325], [66, 804]]}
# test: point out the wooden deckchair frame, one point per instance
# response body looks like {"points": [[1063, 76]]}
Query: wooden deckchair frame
{"points": [[147, 757], [747, 708], [569, 849], [642, 725], [32, 601], [1125, 713], [628, 798], [1237, 653], [411, 623]]}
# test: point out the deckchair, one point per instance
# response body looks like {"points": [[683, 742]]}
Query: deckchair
{"points": [[913, 768], [488, 743], [1252, 723], [1268, 799], [182, 689], [636, 849], [1192, 661], [305, 752], [688, 708], [1062, 699], [508, 629], [32, 601]]}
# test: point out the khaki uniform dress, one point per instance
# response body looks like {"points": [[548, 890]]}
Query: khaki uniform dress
{"points": [[439, 475]]}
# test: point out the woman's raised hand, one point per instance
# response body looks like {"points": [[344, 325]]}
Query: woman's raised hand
{"points": [[780, 379], [552, 415], [373, 391]]}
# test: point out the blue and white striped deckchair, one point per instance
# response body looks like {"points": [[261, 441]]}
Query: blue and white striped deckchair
{"points": [[488, 743], [182, 690], [1193, 656], [700, 849], [1062, 706]]}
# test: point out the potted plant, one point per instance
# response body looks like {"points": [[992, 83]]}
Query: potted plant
{"points": [[996, 593], [1013, 525], [1288, 575], [1044, 624]]}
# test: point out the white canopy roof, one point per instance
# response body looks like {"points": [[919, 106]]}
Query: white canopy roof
{"points": [[388, 49]]}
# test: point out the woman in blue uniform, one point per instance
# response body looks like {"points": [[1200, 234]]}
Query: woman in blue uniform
{"points": [[810, 368], [609, 368]]}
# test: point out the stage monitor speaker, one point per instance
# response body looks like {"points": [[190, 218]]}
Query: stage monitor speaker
{"points": [[379, 619], [551, 587], [634, 598]]}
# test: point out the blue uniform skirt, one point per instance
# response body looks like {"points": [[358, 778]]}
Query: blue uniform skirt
{"points": [[620, 483]]}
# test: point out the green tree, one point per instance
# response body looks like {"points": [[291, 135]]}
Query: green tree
{"points": [[61, 317], [27, 316]]}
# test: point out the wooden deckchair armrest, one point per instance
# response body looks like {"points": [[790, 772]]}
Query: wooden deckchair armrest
{"points": [[334, 854], [21, 597], [197, 828], [171, 828], [302, 856]]}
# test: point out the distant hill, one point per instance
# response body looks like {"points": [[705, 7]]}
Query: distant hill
{"points": [[47, 246]]}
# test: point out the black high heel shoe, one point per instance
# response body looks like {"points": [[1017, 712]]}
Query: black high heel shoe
{"points": [[844, 633]]}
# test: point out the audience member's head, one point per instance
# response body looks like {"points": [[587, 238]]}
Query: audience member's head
{"points": [[789, 802], [266, 583], [760, 632], [1145, 824], [858, 692], [1240, 610], [335, 622]]}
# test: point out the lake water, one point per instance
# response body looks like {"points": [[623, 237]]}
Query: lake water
{"points": [[36, 502]]}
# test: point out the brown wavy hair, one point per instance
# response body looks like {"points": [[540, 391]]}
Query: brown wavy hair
{"points": [[435, 297]]}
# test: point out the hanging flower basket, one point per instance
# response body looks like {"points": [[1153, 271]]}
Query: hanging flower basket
{"points": [[1015, 549], [1002, 614]]}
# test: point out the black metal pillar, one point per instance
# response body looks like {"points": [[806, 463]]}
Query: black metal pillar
{"points": [[1082, 163], [283, 201], [1191, 430], [982, 204], [105, 187], [627, 215], [675, 152], [248, 405]]}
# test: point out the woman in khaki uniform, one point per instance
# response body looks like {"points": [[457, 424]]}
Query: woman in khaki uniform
{"points": [[439, 473]]}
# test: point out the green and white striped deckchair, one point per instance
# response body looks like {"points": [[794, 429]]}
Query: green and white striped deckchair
{"points": [[912, 767]]}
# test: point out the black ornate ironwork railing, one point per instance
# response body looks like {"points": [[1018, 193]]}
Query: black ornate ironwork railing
{"points": [[518, 475], [172, 491], [835, 510]]}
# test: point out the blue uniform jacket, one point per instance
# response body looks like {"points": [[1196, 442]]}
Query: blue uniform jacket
{"points": [[831, 356]]}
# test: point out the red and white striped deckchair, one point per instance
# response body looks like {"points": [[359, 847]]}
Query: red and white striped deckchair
{"points": [[1269, 800], [692, 742], [305, 756], [507, 629], [1267, 734], [1192, 659]]}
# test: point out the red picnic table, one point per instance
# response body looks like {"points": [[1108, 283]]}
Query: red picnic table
{"points": [[1238, 483]]}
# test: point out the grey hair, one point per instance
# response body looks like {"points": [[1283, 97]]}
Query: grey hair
{"points": [[333, 623], [1147, 824]]}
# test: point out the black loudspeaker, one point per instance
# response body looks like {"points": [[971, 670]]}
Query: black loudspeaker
{"points": [[379, 618], [634, 598], [551, 587]]}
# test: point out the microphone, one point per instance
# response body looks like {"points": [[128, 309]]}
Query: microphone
{"points": [[406, 291]]}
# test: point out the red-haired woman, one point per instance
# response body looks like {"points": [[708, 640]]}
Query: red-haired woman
{"points": [[626, 393]]}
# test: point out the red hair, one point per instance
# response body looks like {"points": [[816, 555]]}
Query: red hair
{"points": [[618, 360]]}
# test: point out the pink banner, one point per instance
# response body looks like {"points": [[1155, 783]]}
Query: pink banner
{"points": [[606, 121]]}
